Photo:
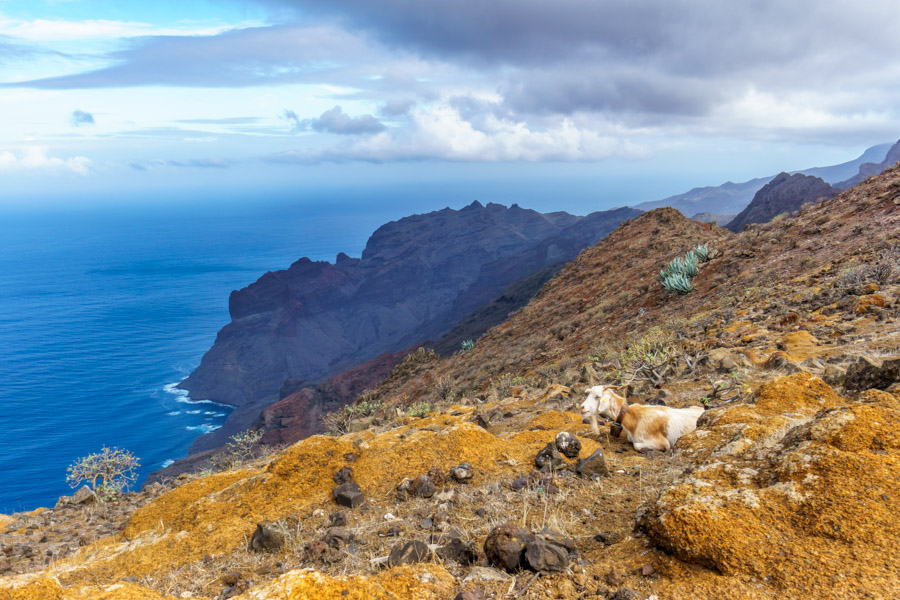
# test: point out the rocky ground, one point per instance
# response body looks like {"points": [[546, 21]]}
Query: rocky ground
{"points": [[787, 488]]}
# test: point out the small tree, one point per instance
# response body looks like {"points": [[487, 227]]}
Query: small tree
{"points": [[108, 472]]}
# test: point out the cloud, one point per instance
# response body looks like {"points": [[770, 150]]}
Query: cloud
{"points": [[194, 163], [37, 159], [79, 117], [443, 133], [337, 121], [236, 58], [223, 121]]}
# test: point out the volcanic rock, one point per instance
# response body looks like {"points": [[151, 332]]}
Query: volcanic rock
{"points": [[405, 553], [784, 194], [269, 537], [595, 464], [505, 546], [348, 494], [568, 444]]}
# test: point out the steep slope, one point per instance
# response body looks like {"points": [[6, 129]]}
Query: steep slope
{"points": [[784, 194], [417, 277], [870, 169]]}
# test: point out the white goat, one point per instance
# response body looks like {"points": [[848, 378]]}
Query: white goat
{"points": [[648, 427]]}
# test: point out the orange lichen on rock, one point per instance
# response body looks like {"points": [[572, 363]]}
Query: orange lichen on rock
{"points": [[554, 419], [217, 514], [47, 588], [800, 345], [422, 581], [863, 304], [808, 507]]}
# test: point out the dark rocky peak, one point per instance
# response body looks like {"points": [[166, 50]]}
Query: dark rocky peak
{"points": [[784, 194]]}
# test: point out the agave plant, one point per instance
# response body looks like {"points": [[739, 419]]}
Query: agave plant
{"points": [[702, 252], [678, 282]]}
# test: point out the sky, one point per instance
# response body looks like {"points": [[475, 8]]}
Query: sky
{"points": [[607, 101]]}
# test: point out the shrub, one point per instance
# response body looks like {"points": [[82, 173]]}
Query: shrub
{"points": [[466, 345], [445, 389], [650, 358], [108, 472], [419, 409], [242, 447]]}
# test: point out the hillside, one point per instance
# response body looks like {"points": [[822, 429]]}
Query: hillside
{"points": [[787, 489], [417, 278]]}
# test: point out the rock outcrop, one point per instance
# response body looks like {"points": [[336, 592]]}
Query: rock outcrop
{"points": [[784, 194], [417, 277]]}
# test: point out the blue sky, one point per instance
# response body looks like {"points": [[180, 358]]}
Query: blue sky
{"points": [[617, 100]]}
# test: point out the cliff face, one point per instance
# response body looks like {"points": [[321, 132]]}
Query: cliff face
{"points": [[785, 193], [417, 277]]}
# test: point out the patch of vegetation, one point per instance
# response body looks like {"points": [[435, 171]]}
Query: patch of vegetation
{"points": [[108, 472], [677, 276], [419, 409], [242, 447], [466, 345]]}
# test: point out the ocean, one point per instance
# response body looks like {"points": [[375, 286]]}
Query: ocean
{"points": [[103, 311]]}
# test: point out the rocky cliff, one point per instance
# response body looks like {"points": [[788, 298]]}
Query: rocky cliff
{"points": [[417, 278], [784, 194]]}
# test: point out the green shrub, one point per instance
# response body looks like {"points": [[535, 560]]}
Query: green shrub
{"points": [[419, 409], [466, 345], [109, 472]]}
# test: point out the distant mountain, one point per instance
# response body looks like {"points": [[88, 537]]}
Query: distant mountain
{"points": [[784, 194], [732, 198], [728, 198], [843, 171], [870, 169], [417, 278], [720, 220]]}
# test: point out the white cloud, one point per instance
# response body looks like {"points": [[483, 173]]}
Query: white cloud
{"points": [[37, 159], [59, 30]]}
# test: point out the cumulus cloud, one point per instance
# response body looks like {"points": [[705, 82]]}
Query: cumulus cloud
{"points": [[335, 120], [443, 133], [79, 117], [37, 159]]}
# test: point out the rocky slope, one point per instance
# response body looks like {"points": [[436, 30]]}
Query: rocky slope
{"points": [[787, 488], [784, 194], [417, 278]]}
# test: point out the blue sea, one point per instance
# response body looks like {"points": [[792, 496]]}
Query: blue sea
{"points": [[103, 311]]}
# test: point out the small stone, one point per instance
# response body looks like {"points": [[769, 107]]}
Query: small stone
{"points": [[568, 444], [519, 483], [505, 546], [337, 519], [268, 537], [438, 477], [481, 512], [607, 539], [615, 577], [348, 494], [231, 578], [470, 595], [405, 553], [458, 551], [462, 473], [344, 475], [647, 570], [595, 464], [84, 496], [422, 487], [625, 594], [350, 457], [545, 557], [337, 538], [550, 458]]}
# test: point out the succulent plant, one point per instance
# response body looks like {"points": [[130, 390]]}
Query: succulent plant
{"points": [[678, 282]]}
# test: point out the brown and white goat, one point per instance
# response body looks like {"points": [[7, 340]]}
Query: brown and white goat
{"points": [[648, 427]]}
